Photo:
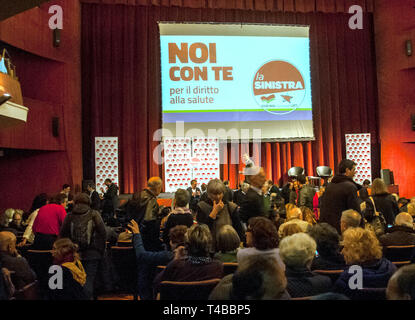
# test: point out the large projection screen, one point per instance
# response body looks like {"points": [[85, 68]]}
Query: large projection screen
{"points": [[227, 79]]}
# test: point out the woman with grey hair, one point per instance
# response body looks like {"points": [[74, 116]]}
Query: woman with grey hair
{"points": [[216, 212], [297, 252]]}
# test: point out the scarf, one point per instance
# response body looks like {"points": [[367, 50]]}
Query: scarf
{"points": [[77, 271]]}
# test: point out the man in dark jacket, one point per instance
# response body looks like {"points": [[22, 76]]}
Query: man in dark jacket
{"points": [[194, 193], [85, 227], [228, 196], [95, 199], [306, 192], [402, 233], [253, 203], [240, 194], [148, 216], [110, 202], [340, 195]]}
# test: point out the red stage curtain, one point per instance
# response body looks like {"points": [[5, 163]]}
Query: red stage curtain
{"points": [[326, 6], [122, 92]]}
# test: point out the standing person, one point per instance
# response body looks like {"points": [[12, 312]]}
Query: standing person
{"points": [[39, 201], [364, 193], [95, 199], [148, 216], [239, 195], [306, 192], [203, 195], [66, 190], [110, 202], [85, 228], [229, 193], [340, 195], [384, 201], [253, 204], [194, 193], [217, 212], [48, 223]]}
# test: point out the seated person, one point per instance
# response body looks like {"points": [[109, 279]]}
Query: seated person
{"points": [[227, 244], [297, 252], [290, 230], [65, 254], [16, 223], [350, 219], [180, 215], [294, 216], [402, 233], [4, 223], [147, 261], [328, 248], [362, 248], [11, 260], [257, 278], [197, 265], [401, 285], [308, 215], [261, 239], [411, 209]]}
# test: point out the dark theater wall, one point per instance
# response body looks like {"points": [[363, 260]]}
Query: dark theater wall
{"points": [[35, 161], [395, 23]]}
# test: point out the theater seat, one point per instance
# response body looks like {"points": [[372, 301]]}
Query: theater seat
{"points": [[194, 290], [399, 255], [40, 261], [28, 292], [229, 267], [332, 274], [125, 265]]}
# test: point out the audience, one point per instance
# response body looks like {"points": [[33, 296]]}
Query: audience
{"points": [[340, 195], [65, 255], [290, 230], [197, 265], [402, 233], [294, 216], [11, 260], [401, 285], [252, 204], [227, 243], [308, 215], [217, 212], [17, 223], [297, 252], [86, 228], [362, 248], [328, 256], [350, 219], [261, 239], [257, 278], [48, 223]]}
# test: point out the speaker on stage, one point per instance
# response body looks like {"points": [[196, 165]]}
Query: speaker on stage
{"points": [[385, 175]]}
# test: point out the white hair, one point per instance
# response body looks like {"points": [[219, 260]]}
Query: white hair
{"points": [[297, 250]]}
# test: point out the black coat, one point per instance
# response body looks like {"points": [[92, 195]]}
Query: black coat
{"points": [[95, 201], [340, 195], [305, 196], [193, 199], [238, 197], [252, 206], [398, 236], [304, 283], [386, 204], [110, 202]]}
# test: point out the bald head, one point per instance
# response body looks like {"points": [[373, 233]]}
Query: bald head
{"points": [[294, 213], [7, 239], [350, 219], [154, 184], [404, 219]]}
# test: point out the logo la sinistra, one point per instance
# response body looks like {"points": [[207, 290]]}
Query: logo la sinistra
{"points": [[279, 87]]}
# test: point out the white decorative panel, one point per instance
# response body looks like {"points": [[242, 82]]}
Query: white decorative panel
{"points": [[106, 161], [358, 150], [205, 159]]}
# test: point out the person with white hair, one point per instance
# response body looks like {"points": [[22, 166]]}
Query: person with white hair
{"points": [[294, 216], [402, 233], [297, 252], [350, 219]]}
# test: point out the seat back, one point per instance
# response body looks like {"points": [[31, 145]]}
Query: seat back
{"points": [[332, 274], [124, 243], [295, 171], [28, 292], [229, 267], [194, 290], [125, 265], [398, 253]]}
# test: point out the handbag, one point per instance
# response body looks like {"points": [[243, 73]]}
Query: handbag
{"points": [[378, 223]]}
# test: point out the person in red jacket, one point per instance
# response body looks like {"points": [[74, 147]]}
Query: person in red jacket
{"points": [[48, 223]]}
